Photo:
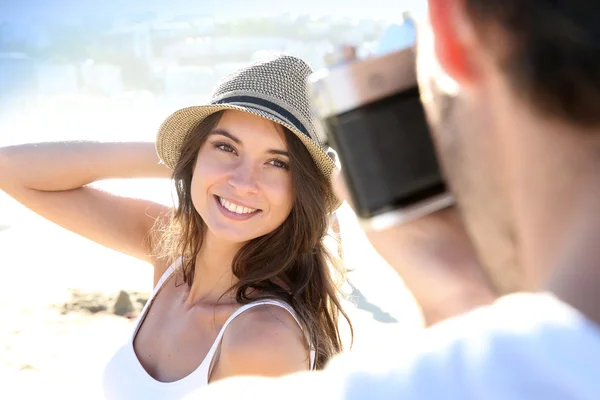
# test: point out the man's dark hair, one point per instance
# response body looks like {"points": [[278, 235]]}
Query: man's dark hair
{"points": [[550, 50]]}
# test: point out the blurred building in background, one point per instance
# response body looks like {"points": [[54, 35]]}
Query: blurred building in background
{"points": [[176, 55]]}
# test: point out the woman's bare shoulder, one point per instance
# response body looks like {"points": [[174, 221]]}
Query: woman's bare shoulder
{"points": [[265, 340]]}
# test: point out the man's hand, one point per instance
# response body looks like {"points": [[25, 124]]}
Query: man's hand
{"points": [[436, 260]]}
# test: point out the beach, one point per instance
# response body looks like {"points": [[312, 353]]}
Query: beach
{"points": [[51, 344]]}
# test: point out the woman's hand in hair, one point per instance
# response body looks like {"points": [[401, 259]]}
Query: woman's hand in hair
{"points": [[436, 260]]}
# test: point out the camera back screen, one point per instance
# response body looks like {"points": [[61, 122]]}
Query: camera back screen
{"points": [[387, 154]]}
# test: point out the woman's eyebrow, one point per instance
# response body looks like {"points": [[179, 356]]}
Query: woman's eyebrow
{"points": [[279, 152], [223, 132]]}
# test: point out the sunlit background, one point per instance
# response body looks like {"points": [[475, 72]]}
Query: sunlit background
{"points": [[112, 71]]}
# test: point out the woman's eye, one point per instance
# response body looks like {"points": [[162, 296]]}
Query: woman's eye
{"points": [[225, 147], [279, 164]]}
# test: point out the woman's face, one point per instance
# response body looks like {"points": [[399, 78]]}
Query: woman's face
{"points": [[242, 183]]}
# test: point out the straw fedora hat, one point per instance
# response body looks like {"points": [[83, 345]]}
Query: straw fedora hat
{"points": [[275, 89]]}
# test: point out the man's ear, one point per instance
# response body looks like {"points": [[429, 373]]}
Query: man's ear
{"points": [[454, 39]]}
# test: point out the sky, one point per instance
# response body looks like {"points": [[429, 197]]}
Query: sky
{"points": [[36, 11]]}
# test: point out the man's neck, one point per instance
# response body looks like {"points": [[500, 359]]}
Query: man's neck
{"points": [[557, 197], [575, 276]]}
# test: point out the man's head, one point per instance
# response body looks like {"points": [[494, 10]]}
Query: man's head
{"points": [[504, 82]]}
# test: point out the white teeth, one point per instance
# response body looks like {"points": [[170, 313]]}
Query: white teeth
{"points": [[235, 208]]}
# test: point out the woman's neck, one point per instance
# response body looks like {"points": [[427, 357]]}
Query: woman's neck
{"points": [[213, 275]]}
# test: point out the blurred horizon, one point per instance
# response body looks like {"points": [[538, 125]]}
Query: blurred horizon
{"points": [[110, 47]]}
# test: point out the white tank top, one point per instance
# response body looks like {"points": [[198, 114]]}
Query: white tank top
{"points": [[125, 378]]}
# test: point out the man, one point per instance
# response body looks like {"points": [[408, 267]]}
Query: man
{"points": [[512, 91]]}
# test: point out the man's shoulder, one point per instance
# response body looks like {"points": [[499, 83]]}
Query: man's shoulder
{"points": [[519, 342]]}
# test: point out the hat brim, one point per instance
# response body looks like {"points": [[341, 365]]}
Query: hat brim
{"points": [[176, 128]]}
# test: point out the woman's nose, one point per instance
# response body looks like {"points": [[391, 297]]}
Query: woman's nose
{"points": [[243, 179]]}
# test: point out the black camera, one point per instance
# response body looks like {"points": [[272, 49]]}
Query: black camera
{"points": [[375, 121]]}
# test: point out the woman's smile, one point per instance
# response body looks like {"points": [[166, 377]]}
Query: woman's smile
{"points": [[235, 211]]}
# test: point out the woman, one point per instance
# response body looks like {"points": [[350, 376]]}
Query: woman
{"points": [[242, 282]]}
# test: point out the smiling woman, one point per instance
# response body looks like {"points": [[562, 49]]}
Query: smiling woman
{"points": [[244, 284]]}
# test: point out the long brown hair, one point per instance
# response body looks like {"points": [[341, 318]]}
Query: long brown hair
{"points": [[291, 263]]}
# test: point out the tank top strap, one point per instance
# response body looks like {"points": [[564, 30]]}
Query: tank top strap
{"points": [[217, 343], [165, 276], [168, 272]]}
